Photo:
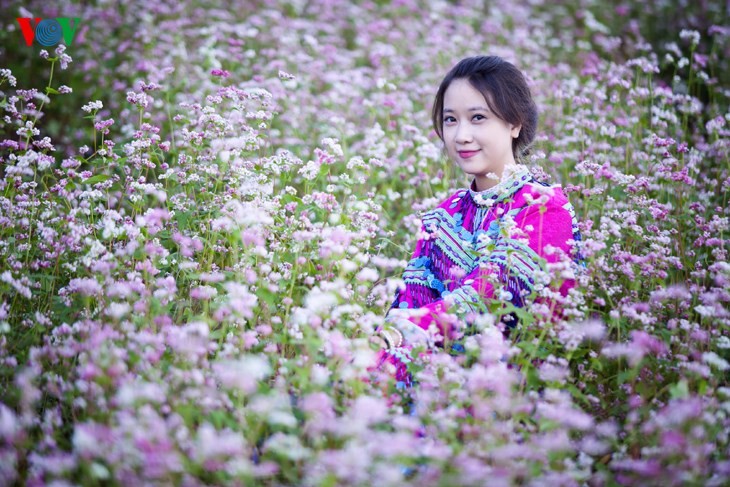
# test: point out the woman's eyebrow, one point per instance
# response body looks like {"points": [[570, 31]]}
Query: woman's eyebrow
{"points": [[472, 109]]}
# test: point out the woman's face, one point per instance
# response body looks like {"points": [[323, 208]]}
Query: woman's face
{"points": [[476, 139]]}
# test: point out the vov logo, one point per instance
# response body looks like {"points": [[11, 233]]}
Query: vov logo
{"points": [[48, 32]]}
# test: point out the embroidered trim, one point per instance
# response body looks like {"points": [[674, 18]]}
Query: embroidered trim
{"points": [[502, 190], [466, 298], [413, 334]]}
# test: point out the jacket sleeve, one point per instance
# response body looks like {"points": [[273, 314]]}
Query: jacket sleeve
{"points": [[514, 259], [423, 287]]}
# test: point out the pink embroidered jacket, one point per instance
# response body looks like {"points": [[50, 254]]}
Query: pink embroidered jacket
{"points": [[474, 237]]}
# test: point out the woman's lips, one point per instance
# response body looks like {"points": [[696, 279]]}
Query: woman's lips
{"points": [[466, 154]]}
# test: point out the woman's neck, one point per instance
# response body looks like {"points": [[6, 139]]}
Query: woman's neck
{"points": [[490, 180]]}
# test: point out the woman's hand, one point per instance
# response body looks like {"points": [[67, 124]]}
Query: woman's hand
{"points": [[378, 340]]}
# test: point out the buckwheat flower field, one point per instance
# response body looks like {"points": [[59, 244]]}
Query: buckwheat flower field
{"points": [[206, 208]]}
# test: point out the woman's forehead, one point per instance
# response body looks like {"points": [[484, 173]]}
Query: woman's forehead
{"points": [[461, 94]]}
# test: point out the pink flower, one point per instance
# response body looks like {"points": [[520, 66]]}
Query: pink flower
{"points": [[203, 292], [319, 407], [85, 286], [648, 343], [9, 425]]}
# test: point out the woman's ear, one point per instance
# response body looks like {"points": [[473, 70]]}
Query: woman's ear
{"points": [[516, 131]]}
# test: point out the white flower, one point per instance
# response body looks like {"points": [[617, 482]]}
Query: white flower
{"points": [[713, 359], [92, 105], [83, 441], [288, 445], [705, 310], [7, 74], [368, 274], [310, 170], [332, 146], [319, 301], [244, 373], [118, 310], [692, 35]]}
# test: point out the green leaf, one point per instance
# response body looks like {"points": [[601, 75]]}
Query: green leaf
{"points": [[182, 219], [627, 375], [99, 178], [268, 297], [527, 347], [533, 378], [577, 394], [646, 389], [51, 91], [220, 419], [679, 390], [597, 365]]}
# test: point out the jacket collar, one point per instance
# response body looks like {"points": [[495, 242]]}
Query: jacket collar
{"points": [[511, 182]]}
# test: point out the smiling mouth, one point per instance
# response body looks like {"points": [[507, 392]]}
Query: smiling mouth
{"points": [[466, 154]]}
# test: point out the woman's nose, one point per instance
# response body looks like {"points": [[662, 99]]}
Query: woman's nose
{"points": [[463, 134]]}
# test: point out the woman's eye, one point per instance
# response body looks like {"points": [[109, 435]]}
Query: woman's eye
{"points": [[449, 119], [479, 117]]}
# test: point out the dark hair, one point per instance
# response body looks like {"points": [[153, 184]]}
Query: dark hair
{"points": [[505, 90]]}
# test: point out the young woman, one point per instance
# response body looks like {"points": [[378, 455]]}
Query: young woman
{"points": [[494, 239]]}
